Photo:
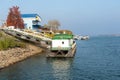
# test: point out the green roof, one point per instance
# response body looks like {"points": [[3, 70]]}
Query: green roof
{"points": [[63, 36]]}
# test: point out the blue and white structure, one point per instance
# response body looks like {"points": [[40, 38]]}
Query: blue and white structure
{"points": [[31, 21]]}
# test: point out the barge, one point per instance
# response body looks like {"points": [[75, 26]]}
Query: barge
{"points": [[62, 45]]}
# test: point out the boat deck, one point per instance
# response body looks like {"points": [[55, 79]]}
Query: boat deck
{"points": [[70, 53]]}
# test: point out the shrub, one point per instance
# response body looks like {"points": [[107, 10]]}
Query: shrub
{"points": [[21, 44], [9, 42]]}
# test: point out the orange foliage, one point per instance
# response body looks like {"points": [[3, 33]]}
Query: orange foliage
{"points": [[14, 18]]}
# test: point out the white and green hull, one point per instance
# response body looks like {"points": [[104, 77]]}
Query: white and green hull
{"points": [[63, 53], [62, 46]]}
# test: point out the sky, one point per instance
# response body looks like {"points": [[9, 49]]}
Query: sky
{"points": [[83, 17]]}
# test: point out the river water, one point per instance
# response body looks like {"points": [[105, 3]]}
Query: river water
{"points": [[96, 59]]}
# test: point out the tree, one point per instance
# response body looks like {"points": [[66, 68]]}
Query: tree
{"points": [[46, 26], [53, 24], [14, 18]]}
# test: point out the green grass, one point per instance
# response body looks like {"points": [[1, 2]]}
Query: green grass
{"points": [[0, 34], [9, 42]]}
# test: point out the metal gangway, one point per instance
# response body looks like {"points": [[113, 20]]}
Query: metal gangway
{"points": [[28, 35]]}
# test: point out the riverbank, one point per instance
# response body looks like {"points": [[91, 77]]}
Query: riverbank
{"points": [[14, 55], [13, 50]]}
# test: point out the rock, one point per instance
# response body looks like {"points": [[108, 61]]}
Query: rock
{"points": [[14, 55]]}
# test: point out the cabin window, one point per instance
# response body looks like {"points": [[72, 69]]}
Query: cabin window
{"points": [[50, 33], [62, 42], [35, 22], [73, 41], [42, 32]]}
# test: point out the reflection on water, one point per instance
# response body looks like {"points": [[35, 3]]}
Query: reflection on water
{"points": [[61, 67], [38, 68]]}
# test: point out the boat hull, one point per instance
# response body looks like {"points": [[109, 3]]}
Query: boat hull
{"points": [[60, 53]]}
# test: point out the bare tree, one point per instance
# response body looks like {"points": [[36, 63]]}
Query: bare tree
{"points": [[53, 24], [46, 26]]}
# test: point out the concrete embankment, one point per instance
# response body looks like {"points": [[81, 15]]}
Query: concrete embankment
{"points": [[14, 55]]}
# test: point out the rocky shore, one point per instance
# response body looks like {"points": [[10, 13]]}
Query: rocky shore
{"points": [[14, 55]]}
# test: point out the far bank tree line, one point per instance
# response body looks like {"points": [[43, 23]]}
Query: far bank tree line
{"points": [[14, 19]]}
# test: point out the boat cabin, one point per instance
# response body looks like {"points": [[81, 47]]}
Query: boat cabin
{"points": [[62, 42]]}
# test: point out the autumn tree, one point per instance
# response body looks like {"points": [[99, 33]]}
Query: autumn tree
{"points": [[53, 24], [14, 18]]}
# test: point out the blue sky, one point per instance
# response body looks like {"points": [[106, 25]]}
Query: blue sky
{"points": [[86, 17]]}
